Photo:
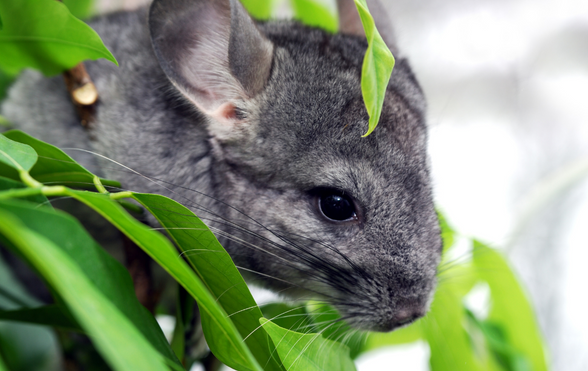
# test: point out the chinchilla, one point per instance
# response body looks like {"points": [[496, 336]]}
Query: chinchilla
{"points": [[258, 126]]}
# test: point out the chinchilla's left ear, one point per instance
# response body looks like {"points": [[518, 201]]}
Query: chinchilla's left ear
{"points": [[212, 51], [350, 23]]}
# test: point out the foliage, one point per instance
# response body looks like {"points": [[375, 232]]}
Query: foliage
{"points": [[94, 293], [44, 35]]}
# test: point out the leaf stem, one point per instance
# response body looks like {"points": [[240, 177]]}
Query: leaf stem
{"points": [[28, 180], [119, 195], [99, 185]]}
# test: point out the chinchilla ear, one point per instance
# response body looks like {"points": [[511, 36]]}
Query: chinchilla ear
{"points": [[212, 51], [350, 23]]}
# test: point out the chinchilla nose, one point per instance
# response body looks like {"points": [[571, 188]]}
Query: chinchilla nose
{"points": [[405, 312]]}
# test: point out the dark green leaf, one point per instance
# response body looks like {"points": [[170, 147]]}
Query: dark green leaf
{"points": [[215, 268], [112, 333], [510, 307], [316, 13], [228, 344], [43, 34], [184, 314], [308, 352], [108, 276], [55, 166], [16, 155], [378, 63], [259, 9], [50, 315]]}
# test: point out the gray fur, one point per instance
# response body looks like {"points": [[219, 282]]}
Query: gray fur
{"points": [[266, 159]]}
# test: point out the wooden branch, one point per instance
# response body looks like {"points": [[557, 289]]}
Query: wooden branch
{"points": [[83, 93]]}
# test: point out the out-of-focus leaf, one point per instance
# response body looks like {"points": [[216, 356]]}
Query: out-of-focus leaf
{"points": [[447, 232], [113, 334], [5, 81], [26, 347], [184, 314], [451, 349], [317, 13], [2, 365], [215, 268], [16, 155], [405, 335], [510, 307], [308, 352], [80, 8], [43, 34], [504, 353], [50, 315], [378, 63], [259, 9], [227, 345], [108, 276], [54, 166]]}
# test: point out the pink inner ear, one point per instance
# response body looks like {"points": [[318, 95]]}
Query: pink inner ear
{"points": [[225, 113]]}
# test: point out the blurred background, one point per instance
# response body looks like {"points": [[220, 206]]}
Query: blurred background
{"points": [[507, 87]]}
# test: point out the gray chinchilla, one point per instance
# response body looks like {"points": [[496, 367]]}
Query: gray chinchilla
{"points": [[258, 126]]}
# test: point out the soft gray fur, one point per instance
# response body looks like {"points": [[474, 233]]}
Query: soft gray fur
{"points": [[249, 137]]}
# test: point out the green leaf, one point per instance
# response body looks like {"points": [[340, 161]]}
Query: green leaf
{"points": [[286, 316], [317, 13], [80, 8], [378, 63], [504, 353], [405, 335], [259, 9], [329, 323], [184, 313], [447, 232], [16, 155], [510, 307], [50, 315], [112, 333], [227, 345], [443, 329], [116, 285], [54, 166], [308, 352], [215, 268], [43, 34]]}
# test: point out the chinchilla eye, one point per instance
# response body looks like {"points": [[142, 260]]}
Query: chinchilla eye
{"points": [[336, 206]]}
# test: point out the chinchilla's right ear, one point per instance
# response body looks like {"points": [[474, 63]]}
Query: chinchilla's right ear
{"points": [[212, 51], [350, 23]]}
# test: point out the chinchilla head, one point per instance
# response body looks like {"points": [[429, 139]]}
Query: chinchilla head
{"points": [[315, 208]]}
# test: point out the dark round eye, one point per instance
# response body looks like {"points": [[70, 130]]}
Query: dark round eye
{"points": [[336, 206]]}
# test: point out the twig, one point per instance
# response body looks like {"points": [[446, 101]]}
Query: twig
{"points": [[83, 93]]}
